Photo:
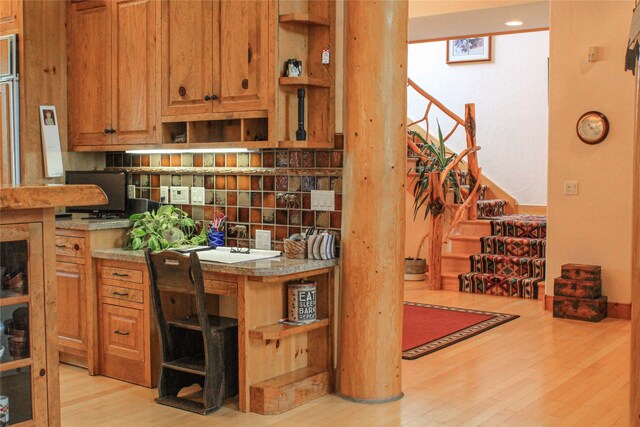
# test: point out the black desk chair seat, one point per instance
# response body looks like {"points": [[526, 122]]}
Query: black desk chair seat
{"points": [[197, 348]]}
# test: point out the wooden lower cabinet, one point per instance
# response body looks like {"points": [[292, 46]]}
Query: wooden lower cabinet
{"points": [[77, 292], [72, 307], [129, 348]]}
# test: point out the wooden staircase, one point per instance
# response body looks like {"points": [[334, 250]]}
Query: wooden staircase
{"points": [[455, 260]]}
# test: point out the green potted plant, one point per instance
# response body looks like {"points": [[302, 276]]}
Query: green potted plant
{"points": [[436, 173], [169, 227]]}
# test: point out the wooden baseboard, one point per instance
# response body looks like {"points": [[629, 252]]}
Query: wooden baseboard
{"points": [[615, 310]]}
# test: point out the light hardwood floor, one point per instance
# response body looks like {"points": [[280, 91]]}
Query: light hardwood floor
{"points": [[535, 370]]}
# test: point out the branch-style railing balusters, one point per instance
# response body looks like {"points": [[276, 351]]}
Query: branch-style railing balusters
{"points": [[469, 126]]}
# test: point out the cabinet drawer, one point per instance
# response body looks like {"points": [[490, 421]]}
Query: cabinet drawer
{"points": [[70, 246], [122, 332], [122, 274], [122, 293]]}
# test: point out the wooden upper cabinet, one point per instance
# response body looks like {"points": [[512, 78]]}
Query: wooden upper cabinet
{"points": [[133, 60], [244, 53], [10, 11], [112, 73], [89, 83], [187, 51], [215, 56]]}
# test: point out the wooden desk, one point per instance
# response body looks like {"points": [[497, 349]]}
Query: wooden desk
{"points": [[280, 367]]}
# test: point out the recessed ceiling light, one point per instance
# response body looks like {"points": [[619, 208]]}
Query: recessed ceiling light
{"points": [[513, 23]]}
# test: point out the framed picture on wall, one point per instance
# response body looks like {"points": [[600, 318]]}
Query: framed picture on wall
{"points": [[471, 49]]}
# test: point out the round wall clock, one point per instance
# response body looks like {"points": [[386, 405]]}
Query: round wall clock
{"points": [[592, 127]]}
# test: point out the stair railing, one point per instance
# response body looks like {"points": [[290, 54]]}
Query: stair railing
{"points": [[469, 126]]}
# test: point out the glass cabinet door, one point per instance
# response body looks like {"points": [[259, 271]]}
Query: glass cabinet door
{"points": [[23, 397]]}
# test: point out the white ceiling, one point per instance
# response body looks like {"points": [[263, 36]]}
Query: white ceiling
{"points": [[449, 22]]}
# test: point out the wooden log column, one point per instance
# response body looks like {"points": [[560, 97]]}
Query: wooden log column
{"points": [[370, 330]]}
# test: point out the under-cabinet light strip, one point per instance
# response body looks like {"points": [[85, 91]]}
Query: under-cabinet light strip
{"points": [[192, 151]]}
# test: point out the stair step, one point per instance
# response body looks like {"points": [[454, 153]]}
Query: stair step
{"points": [[474, 227], [455, 262], [491, 208], [498, 284], [465, 244], [450, 281]]}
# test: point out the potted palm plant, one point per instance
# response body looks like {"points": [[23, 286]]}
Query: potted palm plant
{"points": [[436, 174]]}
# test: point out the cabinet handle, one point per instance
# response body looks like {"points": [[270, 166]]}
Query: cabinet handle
{"points": [[121, 333], [210, 98], [182, 91], [120, 274], [245, 84], [61, 246], [43, 372], [108, 131], [76, 247], [118, 294]]}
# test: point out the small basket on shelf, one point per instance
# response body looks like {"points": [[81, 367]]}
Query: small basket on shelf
{"points": [[295, 249]]}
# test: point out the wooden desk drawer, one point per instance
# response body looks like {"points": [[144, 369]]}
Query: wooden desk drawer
{"points": [[122, 332], [121, 274], [122, 293], [70, 246], [220, 287]]}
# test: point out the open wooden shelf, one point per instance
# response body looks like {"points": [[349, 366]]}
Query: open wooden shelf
{"points": [[278, 331], [13, 300], [281, 393], [304, 144], [15, 364], [304, 81], [305, 18]]}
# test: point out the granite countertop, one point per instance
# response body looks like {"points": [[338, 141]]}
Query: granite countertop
{"points": [[92, 224], [267, 267]]}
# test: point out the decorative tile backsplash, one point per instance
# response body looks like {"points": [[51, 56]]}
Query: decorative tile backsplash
{"points": [[266, 190]]}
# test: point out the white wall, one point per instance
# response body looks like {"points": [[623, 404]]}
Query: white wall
{"points": [[511, 97]]}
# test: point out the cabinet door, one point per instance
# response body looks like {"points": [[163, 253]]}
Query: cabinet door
{"points": [[89, 73], [72, 305], [24, 370], [186, 57], [9, 12], [244, 55], [134, 71], [122, 332]]}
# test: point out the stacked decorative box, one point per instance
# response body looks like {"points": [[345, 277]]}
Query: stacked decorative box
{"points": [[578, 293]]}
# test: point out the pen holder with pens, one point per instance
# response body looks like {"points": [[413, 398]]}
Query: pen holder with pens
{"points": [[215, 238]]}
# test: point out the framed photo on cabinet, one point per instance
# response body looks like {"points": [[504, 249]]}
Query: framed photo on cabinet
{"points": [[471, 49]]}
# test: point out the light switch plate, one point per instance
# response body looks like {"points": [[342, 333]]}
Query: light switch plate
{"points": [[571, 188], [180, 195], [263, 239], [197, 195], [131, 191], [164, 194], [323, 200]]}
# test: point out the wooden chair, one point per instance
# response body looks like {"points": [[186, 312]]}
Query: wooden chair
{"points": [[197, 348]]}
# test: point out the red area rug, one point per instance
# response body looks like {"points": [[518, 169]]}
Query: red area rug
{"points": [[428, 328]]}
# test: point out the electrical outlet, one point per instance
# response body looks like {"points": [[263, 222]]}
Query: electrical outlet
{"points": [[263, 239], [180, 195], [131, 191], [323, 200], [571, 188], [197, 195], [164, 194]]}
